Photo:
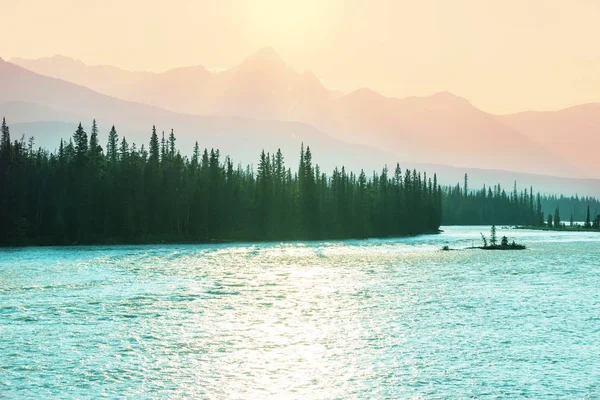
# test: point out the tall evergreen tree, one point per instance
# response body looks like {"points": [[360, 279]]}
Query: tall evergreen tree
{"points": [[111, 146], [557, 222], [80, 140], [95, 150], [5, 138], [587, 218], [154, 151]]}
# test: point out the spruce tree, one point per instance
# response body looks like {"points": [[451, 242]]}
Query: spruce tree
{"points": [[95, 150], [5, 139], [493, 238], [588, 224], [111, 146], [154, 151], [171, 145], [80, 140]]}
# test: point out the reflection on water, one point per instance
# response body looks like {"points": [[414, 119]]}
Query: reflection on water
{"points": [[343, 319]]}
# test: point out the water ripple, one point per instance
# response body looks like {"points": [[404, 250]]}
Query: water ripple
{"points": [[392, 318]]}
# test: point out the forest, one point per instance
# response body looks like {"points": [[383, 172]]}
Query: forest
{"points": [[494, 205], [83, 194]]}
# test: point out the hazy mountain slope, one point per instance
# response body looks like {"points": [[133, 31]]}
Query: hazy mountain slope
{"points": [[573, 132], [22, 111], [542, 183], [49, 109], [105, 79], [442, 128], [35, 98], [261, 87], [48, 133]]}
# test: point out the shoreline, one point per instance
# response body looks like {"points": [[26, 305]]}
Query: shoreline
{"points": [[575, 228], [151, 242]]}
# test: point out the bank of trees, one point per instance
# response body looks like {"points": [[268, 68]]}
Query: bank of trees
{"points": [[574, 207], [83, 193], [490, 205], [495, 205]]}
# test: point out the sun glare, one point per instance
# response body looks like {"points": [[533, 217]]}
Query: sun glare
{"points": [[291, 20]]}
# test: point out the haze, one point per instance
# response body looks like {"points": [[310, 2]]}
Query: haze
{"points": [[504, 56]]}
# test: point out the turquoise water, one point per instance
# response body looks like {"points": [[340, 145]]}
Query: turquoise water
{"points": [[322, 320]]}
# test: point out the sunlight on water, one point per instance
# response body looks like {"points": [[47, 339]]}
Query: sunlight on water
{"points": [[393, 318]]}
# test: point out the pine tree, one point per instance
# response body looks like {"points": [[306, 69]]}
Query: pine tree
{"points": [[195, 157], [163, 148], [557, 218], [171, 145], [95, 151], [80, 140], [539, 211], [154, 151], [111, 147], [5, 139], [493, 238], [588, 224]]}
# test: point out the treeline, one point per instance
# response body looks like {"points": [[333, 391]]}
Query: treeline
{"points": [[574, 207], [494, 205], [555, 221], [82, 194], [490, 205]]}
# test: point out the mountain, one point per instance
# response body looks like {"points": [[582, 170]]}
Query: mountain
{"points": [[574, 132], [49, 109], [442, 128], [261, 87]]}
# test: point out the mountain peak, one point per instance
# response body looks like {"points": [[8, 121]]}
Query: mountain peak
{"points": [[56, 59], [66, 59], [266, 53], [366, 93], [446, 96], [265, 57]]}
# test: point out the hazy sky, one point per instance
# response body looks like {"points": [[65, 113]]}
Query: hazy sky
{"points": [[503, 55]]}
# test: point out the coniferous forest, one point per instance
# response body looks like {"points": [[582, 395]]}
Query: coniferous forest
{"points": [[494, 205], [127, 194]]}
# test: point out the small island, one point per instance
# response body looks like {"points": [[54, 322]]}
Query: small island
{"points": [[493, 243], [504, 245]]}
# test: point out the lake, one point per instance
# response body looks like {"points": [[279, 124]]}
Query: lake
{"points": [[393, 318]]}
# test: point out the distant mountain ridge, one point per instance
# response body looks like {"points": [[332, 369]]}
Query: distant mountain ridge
{"points": [[49, 108], [262, 87], [441, 128], [573, 132]]}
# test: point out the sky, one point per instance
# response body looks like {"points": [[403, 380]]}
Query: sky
{"points": [[503, 55]]}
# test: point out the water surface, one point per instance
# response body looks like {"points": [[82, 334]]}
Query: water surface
{"points": [[392, 318]]}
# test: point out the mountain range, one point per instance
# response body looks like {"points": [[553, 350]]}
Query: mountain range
{"points": [[263, 102]]}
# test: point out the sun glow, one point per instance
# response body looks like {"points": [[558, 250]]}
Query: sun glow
{"points": [[295, 21]]}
